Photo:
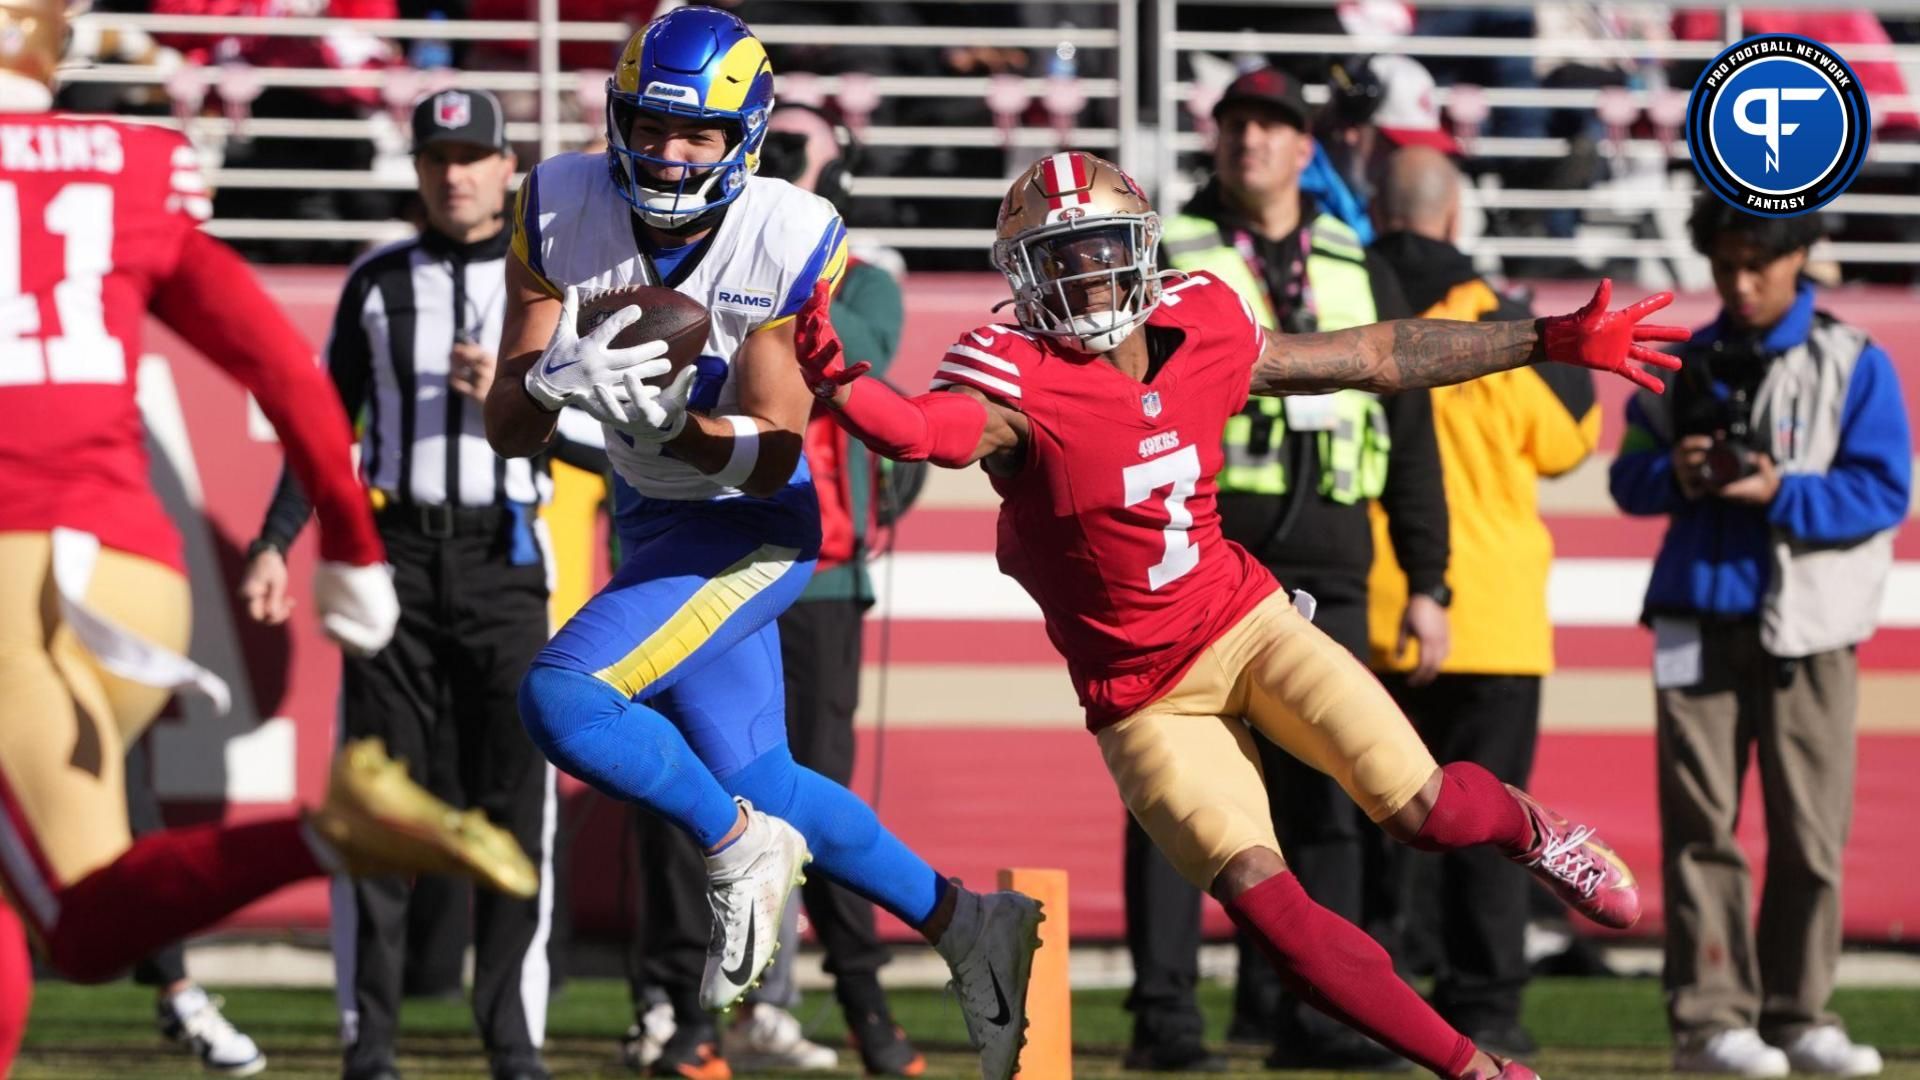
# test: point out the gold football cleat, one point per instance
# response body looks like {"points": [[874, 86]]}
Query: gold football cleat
{"points": [[381, 822]]}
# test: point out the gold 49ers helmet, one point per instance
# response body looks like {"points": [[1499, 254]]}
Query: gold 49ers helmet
{"points": [[33, 35], [1078, 242]]}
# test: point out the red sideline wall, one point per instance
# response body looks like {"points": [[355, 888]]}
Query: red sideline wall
{"points": [[996, 772]]}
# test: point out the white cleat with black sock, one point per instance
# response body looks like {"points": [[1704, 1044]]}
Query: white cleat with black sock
{"points": [[748, 883], [192, 1018], [989, 946]]}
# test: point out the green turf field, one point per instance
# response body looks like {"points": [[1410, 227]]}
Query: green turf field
{"points": [[1593, 1028]]}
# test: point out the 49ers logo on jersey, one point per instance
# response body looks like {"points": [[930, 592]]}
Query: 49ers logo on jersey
{"points": [[1159, 443]]}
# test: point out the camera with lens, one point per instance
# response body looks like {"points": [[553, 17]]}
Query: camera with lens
{"points": [[1728, 420]]}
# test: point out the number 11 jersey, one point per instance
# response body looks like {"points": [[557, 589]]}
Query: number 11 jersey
{"points": [[1110, 521]]}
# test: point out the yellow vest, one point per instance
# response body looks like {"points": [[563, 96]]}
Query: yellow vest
{"points": [[1353, 447], [1498, 435]]}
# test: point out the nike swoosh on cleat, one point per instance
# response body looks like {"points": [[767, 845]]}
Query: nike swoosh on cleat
{"points": [[739, 975], [1000, 1018]]}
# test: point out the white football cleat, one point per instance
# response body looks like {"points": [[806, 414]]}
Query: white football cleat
{"points": [[1826, 1050], [769, 1037], [747, 887], [193, 1019], [1733, 1052], [989, 945]]}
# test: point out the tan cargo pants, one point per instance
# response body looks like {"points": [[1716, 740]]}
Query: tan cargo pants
{"points": [[1721, 971]]}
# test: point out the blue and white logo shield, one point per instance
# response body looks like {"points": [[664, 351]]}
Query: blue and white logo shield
{"points": [[1150, 403], [1778, 125]]}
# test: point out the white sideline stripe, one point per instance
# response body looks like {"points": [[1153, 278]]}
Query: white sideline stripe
{"points": [[536, 975], [986, 358], [1580, 592], [961, 371]]}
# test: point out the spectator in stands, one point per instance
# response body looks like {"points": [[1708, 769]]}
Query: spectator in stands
{"points": [[1294, 493], [1780, 456], [1498, 435], [186, 1014], [1375, 104], [413, 347], [820, 647]]}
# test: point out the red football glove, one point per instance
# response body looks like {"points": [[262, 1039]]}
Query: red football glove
{"points": [[823, 360], [1594, 337]]}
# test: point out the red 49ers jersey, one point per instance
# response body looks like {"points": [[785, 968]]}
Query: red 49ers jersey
{"points": [[93, 215], [1110, 524]]}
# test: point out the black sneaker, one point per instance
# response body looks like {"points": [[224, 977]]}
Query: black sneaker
{"points": [[693, 1053], [884, 1049], [1179, 1057], [1343, 1051], [1503, 1040], [520, 1068]]}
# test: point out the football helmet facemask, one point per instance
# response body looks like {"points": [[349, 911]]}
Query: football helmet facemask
{"points": [[1079, 244]]}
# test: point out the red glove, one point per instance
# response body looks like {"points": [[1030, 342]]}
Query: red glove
{"points": [[823, 360], [1594, 337]]}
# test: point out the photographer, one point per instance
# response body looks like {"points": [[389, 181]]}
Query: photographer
{"points": [[1781, 458]]}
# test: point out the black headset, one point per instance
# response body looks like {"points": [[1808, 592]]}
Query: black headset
{"points": [[785, 159]]}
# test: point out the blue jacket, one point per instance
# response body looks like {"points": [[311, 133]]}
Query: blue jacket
{"points": [[1715, 559], [1333, 195]]}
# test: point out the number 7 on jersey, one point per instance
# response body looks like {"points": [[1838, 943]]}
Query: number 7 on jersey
{"points": [[1180, 473]]}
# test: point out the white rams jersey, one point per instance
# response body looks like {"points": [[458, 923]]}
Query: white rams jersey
{"points": [[774, 247]]}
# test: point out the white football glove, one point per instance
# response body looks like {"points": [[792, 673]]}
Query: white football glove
{"points": [[572, 365], [358, 609], [649, 413]]}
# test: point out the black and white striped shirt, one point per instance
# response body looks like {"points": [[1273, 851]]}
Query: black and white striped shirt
{"points": [[422, 443]]}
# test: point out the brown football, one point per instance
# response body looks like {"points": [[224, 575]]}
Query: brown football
{"points": [[666, 315]]}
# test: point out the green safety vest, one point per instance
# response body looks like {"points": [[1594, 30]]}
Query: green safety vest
{"points": [[1353, 451]]}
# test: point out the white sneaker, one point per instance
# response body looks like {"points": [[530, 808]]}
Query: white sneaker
{"points": [[990, 946], [192, 1019], [1828, 1051], [1733, 1052], [769, 1037], [644, 1041], [747, 888]]}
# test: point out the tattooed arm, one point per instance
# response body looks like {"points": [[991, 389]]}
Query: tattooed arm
{"points": [[1386, 357], [1411, 353]]}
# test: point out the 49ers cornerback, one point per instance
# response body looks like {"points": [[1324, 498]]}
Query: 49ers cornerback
{"points": [[98, 226], [1099, 420]]}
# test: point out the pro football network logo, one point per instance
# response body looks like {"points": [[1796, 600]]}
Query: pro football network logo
{"points": [[1778, 125]]}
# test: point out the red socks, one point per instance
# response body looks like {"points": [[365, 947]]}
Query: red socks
{"points": [[166, 886], [1334, 966], [1474, 808], [16, 986]]}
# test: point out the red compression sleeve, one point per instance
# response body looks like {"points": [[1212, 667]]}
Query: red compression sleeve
{"points": [[941, 427], [213, 300]]}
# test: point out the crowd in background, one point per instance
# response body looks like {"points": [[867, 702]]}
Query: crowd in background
{"points": [[420, 64]]}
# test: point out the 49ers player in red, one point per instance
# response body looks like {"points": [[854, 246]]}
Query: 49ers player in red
{"points": [[1099, 421], [99, 225]]}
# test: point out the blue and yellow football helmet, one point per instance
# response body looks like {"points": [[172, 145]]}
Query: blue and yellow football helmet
{"points": [[691, 62]]}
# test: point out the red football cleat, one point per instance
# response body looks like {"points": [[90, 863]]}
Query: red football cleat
{"points": [[1579, 867]]}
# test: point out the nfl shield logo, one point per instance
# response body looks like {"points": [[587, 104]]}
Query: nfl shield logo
{"points": [[452, 109], [1150, 403]]}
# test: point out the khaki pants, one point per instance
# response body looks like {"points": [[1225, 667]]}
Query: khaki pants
{"points": [[1186, 764], [1720, 972]]}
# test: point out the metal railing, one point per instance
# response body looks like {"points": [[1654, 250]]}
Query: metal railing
{"points": [[1168, 155]]}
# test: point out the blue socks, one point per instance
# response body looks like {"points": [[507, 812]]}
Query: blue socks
{"points": [[848, 842]]}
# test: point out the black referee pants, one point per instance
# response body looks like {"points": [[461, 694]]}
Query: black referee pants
{"points": [[1475, 903], [446, 687], [820, 652]]}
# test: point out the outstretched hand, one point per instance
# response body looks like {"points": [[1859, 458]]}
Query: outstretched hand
{"points": [[1603, 340], [823, 359]]}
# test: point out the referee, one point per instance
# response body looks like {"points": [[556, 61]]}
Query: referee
{"points": [[412, 355]]}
